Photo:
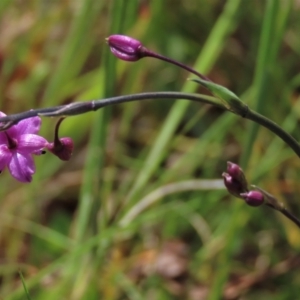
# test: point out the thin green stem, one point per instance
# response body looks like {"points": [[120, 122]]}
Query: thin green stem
{"points": [[275, 128]]}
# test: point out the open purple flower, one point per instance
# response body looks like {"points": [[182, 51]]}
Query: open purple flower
{"points": [[17, 145]]}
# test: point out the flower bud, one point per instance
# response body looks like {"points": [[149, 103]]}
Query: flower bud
{"points": [[234, 186], [236, 172], [125, 47], [62, 149], [235, 180], [253, 198]]}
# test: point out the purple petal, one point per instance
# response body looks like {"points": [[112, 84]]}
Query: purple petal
{"points": [[39, 152], [62, 149], [21, 167], [253, 198], [5, 156], [3, 138], [30, 143], [125, 47], [31, 125]]}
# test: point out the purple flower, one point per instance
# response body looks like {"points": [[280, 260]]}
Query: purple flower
{"points": [[17, 145], [125, 47]]}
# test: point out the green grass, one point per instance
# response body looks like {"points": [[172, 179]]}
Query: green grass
{"points": [[135, 202]]}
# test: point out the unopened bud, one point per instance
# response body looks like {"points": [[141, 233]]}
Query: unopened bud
{"points": [[125, 47], [62, 149], [235, 180], [234, 186], [236, 172], [253, 198]]}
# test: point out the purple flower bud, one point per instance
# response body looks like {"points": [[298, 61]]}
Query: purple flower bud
{"points": [[234, 186], [62, 149], [233, 169], [253, 198], [236, 171], [125, 47]]}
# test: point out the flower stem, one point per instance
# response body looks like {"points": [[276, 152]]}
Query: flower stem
{"points": [[56, 138], [287, 214], [290, 216], [275, 128], [149, 53], [78, 108]]}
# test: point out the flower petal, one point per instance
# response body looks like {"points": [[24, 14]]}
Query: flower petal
{"points": [[31, 125], [3, 138], [30, 143], [5, 156], [21, 167]]}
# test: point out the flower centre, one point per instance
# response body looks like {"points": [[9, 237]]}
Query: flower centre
{"points": [[11, 143]]}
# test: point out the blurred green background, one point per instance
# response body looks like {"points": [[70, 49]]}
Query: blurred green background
{"points": [[140, 211]]}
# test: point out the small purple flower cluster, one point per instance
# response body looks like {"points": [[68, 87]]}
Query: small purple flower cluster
{"points": [[20, 142], [236, 184]]}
